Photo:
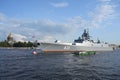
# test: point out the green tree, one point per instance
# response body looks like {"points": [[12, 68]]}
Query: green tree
{"points": [[16, 44], [23, 44], [4, 44]]}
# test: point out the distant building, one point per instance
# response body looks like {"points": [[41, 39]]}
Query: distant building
{"points": [[10, 39]]}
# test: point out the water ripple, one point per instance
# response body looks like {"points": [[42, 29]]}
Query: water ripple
{"points": [[22, 65]]}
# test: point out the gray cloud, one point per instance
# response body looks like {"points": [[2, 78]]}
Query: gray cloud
{"points": [[19, 37], [40, 28]]}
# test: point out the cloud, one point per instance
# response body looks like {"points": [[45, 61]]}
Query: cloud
{"points": [[47, 39], [101, 14], [77, 22], [2, 17], [41, 29], [45, 26], [59, 5], [19, 37], [105, 0]]}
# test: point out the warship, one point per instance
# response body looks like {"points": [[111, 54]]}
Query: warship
{"points": [[82, 44]]}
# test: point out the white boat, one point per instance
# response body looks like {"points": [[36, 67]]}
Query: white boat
{"points": [[83, 43]]}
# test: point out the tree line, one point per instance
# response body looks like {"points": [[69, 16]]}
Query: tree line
{"points": [[17, 44]]}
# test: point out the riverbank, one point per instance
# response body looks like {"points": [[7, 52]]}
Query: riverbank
{"points": [[16, 48]]}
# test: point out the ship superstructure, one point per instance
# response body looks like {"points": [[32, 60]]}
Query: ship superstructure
{"points": [[83, 43]]}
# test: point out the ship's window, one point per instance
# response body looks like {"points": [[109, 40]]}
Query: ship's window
{"points": [[38, 43]]}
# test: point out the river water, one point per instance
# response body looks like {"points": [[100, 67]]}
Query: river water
{"points": [[20, 64]]}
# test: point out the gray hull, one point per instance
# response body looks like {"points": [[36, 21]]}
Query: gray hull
{"points": [[55, 47], [83, 43]]}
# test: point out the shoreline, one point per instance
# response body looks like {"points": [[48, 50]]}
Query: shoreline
{"points": [[16, 48]]}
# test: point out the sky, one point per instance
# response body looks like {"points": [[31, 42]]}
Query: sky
{"points": [[64, 20]]}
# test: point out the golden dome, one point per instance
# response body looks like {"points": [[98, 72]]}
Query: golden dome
{"points": [[10, 37]]}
